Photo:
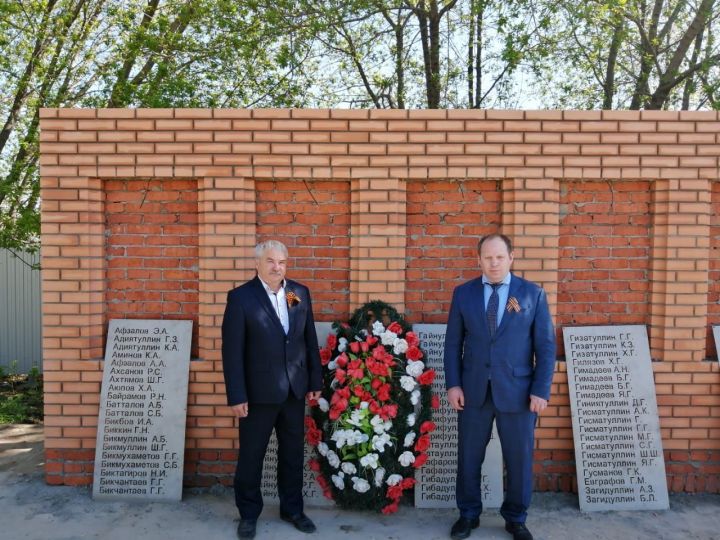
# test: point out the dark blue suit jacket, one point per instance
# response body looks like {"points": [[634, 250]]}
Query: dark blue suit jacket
{"points": [[472, 357], [260, 363]]}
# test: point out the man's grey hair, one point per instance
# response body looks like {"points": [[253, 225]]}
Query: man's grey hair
{"points": [[262, 247]]}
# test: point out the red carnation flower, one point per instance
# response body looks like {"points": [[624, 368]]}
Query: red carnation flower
{"points": [[423, 443], [383, 392], [427, 427], [394, 492], [435, 401], [340, 375], [314, 465], [413, 353], [313, 437], [355, 347], [427, 377], [390, 508], [342, 360], [407, 483], [371, 340], [412, 339], [395, 328], [310, 422], [364, 347], [355, 369], [420, 460], [331, 341], [325, 356]]}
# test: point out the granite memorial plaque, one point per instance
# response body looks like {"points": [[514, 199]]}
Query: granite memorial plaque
{"points": [[435, 486], [618, 448], [716, 335], [312, 494], [143, 404]]}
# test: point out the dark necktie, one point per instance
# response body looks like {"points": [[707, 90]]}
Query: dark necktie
{"points": [[492, 308]]}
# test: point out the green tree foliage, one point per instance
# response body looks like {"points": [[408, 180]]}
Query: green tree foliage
{"points": [[634, 54], [130, 53]]}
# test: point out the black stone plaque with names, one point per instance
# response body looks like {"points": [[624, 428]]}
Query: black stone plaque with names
{"points": [[618, 448], [143, 406], [435, 486]]}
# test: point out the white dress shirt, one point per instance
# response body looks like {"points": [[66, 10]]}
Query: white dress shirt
{"points": [[279, 302]]}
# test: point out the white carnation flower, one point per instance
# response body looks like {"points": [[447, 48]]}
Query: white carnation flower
{"points": [[323, 404], [340, 437], [342, 345], [356, 417], [406, 458], [364, 405], [338, 481], [369, 460], [379, 442], [378, 425], [411, 419], [408, 383], [348, 468], [394, 479], [415, 397], [379, 475], [332, 364], [400, 346], [322, 448], [378, 328], [409, 439], [333, 459], [415, 369], [388, 338], [360, 485]]}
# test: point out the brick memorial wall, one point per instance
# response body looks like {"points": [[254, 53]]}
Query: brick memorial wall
{"points": [[154, 213]]}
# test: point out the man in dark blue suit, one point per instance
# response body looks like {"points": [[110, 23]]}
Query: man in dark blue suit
{"points": [[271, 364], [499, 363]]}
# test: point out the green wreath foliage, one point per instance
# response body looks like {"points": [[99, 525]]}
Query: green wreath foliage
{"points": [[371, 427]]}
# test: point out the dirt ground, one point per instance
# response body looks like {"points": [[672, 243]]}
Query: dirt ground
{"points": [[32, 510]]}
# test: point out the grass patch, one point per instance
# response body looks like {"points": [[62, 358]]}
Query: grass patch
{"points": [[21, 397]]}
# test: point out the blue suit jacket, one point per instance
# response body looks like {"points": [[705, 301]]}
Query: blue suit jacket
{"points": [[472, 357], [260, 363]]}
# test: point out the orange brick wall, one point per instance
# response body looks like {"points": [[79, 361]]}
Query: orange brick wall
{"points": [[152, 250], [445, 219], [614, 212], [313, 220]]}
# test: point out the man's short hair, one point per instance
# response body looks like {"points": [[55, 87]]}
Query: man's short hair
{"points": [[262, 247], [493, 236]]}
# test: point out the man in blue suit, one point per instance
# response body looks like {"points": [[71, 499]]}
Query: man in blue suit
{"points": [[271, 364], [499, 363]]}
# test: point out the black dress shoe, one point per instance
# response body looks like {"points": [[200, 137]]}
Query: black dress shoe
{"points": [[300, 521], [463, 527], [246, 528], [518, 530]]}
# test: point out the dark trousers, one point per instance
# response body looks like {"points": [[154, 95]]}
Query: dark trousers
{"points": [[517, 436], [255, 429]]}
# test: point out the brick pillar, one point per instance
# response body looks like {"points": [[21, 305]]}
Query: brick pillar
{"points": [[679, 271], [378, 242], [531, 217], [227, 240], [73, 245]]}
